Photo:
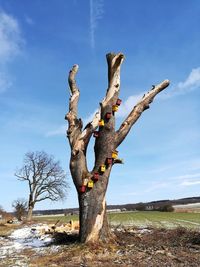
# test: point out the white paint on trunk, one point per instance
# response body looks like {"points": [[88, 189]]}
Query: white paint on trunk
{"points": [[94, 235]]}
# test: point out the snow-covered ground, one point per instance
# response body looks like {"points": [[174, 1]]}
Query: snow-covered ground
{"points": [[23, 238]]}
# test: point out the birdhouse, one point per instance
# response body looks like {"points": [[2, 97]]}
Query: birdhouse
{"points": [[101, 123], [96, 134], [102, 168], [119, 101], [95, 176], [108, 115], [115, 154], [90, 184], [85, 181], [115, 108], [82, 189], [109, 161]]}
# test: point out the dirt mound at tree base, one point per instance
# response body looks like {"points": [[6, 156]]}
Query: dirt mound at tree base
{"points": [[133, 247]]}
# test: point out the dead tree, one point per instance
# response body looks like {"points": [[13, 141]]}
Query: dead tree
{"points": [[91, 185], [45, 178]]}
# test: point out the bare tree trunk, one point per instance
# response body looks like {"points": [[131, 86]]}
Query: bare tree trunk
{"points": [[30, 213], [92, 204]]}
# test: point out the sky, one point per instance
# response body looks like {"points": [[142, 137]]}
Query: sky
{"points": [[41, 40]]}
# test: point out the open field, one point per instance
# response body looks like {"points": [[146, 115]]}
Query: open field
{"points": [[141, 219]]}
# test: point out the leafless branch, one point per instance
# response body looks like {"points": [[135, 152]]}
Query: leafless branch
{"points": [[134, 115]]}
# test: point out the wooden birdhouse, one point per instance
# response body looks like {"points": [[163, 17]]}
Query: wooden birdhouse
{"points": [[108, 115], [82, 189], [101, 123], [95, 176], [103, 168], [96, 134], [85, 181], [115, 108], [119, 101], [109, 161], [90, 184], [115, 154]]}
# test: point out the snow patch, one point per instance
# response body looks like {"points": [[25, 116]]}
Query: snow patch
{"points": [[20, 239]]}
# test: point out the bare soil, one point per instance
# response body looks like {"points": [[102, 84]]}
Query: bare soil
{"points": [[131, 247]]}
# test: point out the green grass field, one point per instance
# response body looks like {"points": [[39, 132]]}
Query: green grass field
{"points": [[141, 219]]}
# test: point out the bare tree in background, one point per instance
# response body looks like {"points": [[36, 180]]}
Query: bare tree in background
{"points": [[20, 208], [45, 177], [91, 185]]}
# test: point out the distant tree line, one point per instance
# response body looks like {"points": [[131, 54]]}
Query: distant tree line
{"points": [[160, 205]]}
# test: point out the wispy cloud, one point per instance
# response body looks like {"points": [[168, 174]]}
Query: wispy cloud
{"points": [[5, 82], [190, 183], [10, 37], [96, 13], [128, 105], [61, 130], [186, 176], [11, 43], [191, 83], [29, 20]]}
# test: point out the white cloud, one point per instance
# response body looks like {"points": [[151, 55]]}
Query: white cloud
{"points": [[96, 13], [5, 82], [61, 130], [11, 43], [186, 176], [191, 83], [190, 183], [29, 20], [127, 106], [10, 37]]}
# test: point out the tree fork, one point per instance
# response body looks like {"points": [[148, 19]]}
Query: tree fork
{"points": [[92, 204]]}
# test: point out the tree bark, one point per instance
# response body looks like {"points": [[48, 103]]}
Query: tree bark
{"points": [[30, 213], [92, 205]]}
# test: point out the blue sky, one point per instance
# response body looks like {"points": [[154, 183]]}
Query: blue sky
{"points": [[39, 42]]}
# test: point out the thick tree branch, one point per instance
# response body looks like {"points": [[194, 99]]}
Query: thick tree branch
{"points": [[141, 106], [75, 124], [114, 63]]}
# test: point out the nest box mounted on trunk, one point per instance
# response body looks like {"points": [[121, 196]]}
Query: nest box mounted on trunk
{"points": [[101, 123], [82, 189], [96, 134], [108, 115], [103, 168], [115, 154], [90, 184], [115, 108], [119, 101], [95, 176], [109, 161]]}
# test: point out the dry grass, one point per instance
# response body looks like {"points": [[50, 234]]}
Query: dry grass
{"points": [[6, 229]]}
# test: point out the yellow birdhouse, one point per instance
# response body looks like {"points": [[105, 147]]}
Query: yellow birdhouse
{"points": [[103, 168], [115, 154], [90, 184], [115, 108], [101, 123]]}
